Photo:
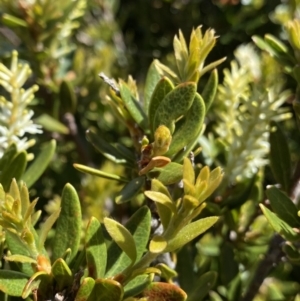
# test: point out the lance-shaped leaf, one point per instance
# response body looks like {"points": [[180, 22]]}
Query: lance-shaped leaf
{"points": [[12, 282], [174, 105], [99, 173], [189, 128], [25, 200], [14, 170], [280, 226], [68, 226], [106, 149], [125, 152], [181, 53], [190, 231], [161, 198], [139, 227], [188, 171], [163, 87], [85, 290], [280, 159], [95, 249], [159, 291], [133, 106], [131, 190], [152, 78], [46, 227], [122, 237], [283, 206], [137, 285], [276, 44], [204, 284], [67, 96], [107, 290], [51, 124], [40, 163], [164, 212], [62, 274], [20, 258], [170, 174], [8, 156], [15, 193], [12, 21], [17, 247], [210, 89]]}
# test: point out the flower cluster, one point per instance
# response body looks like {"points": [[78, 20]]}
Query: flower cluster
{"points": [[15, 117], [245, 109]]}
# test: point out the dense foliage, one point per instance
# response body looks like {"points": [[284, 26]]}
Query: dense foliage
{"points": [[150, 150]]}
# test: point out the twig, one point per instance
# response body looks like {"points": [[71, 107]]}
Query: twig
{"points": [[272, 257]]}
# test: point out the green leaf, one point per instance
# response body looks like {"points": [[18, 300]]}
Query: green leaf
{"points": [[125, 152], [188, 129], [40, 163], [17, 247], [131, 190], [95, 249], [85, 290], [133, 106], [280, 226], [263, 45], [228, 265], [106, 149], [139, 226], [292, 253], [204, 284], [12, 282], [8, 156], [283, 206], [137, 285], [46, 227], [163, 87], [174, 105], [20, 258], [14, 170], [280, 159], [40, 280], [12, 21], [62, 274], [275, 43], [184, 266], [68, 100], [122, 237], [107, 290], [210, 89], [170, 174], [152, 78], [190, 231], [99, 173], [68, 226], [51, 124], [159, 291]]}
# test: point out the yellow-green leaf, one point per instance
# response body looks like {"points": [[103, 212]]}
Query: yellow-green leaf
{"points": [[190, 231], [122, 237]]}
